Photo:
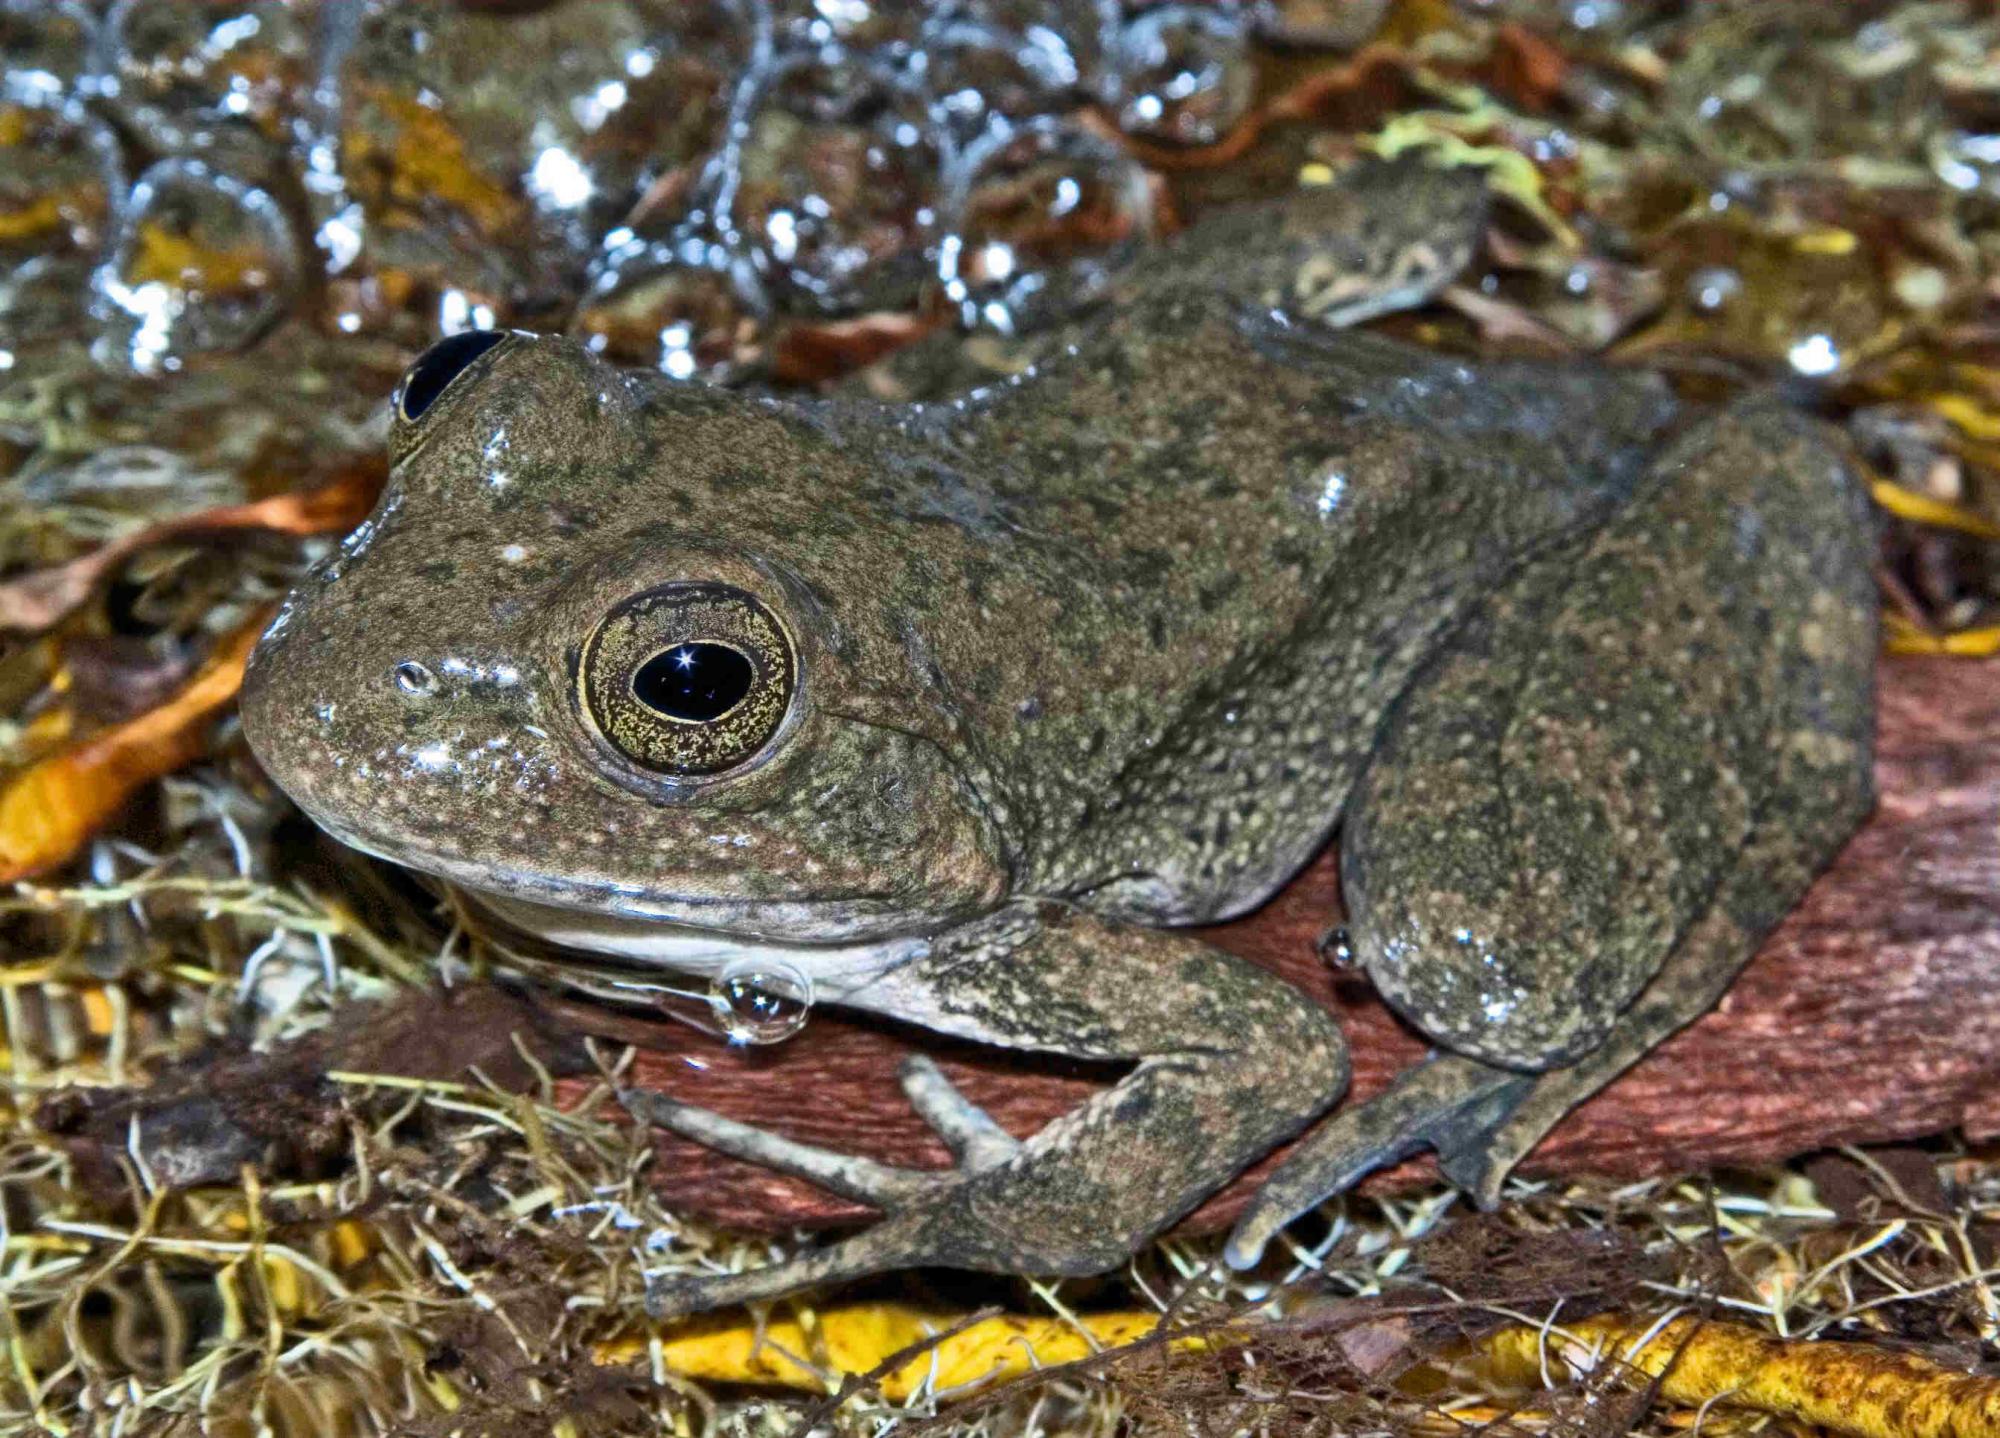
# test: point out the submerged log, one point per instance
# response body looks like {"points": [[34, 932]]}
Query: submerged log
{"points": [[1871, 1015]]}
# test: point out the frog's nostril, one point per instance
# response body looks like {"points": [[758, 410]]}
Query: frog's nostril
{"points": [[439, 365]]}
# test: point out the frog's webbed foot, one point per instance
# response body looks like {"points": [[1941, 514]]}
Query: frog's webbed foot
{"points": [[909, 1198], [1228, 1061]]}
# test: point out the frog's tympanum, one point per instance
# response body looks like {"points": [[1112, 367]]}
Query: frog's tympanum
{"points": [[967, 710]]}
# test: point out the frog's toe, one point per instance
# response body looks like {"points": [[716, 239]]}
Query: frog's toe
{"points": [[1349, 1145], [975, 1140], [1478, 1160], [860, 1179], [1455, 1105], [877, 1249]]}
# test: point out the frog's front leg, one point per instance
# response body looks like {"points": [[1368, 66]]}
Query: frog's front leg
{"points": [[1229, 1061], [1592, 807]]}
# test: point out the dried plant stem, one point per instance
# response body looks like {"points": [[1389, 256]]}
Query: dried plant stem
{"points": [[1868, 1392]]}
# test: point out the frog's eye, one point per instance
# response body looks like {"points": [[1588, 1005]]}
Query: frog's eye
{"points": [[687, 679], [438, 366]]}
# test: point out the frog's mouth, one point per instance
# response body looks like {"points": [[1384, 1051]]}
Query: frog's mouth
{"points": [[839, 942]]}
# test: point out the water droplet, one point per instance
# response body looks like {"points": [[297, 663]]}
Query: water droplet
{"points": [[761, 1000], [1336, 947], [979, 77], [1815, 355], [47, 46], [413, 678], [60, 177], [885, 26], [1039, 220], [199, 262], [835, 186], [1083, 30], [182, 72], [1967, 161], [678, 306], [1712, 287], [1186, 72], [622, 105]]}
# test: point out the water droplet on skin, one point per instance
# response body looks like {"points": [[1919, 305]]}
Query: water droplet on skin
{"points": [[413, 678], [761, 1000]]}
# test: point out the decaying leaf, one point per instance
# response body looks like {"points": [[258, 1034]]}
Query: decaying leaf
{"points": [[36, 602], [50, 809]]}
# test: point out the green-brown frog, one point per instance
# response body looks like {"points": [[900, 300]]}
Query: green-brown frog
{"points": [[967, 710]]}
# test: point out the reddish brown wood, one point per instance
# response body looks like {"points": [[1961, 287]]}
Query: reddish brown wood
{"points": [[1872, 1014]]}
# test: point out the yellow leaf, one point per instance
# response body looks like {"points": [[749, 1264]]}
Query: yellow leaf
{"points": [[50, 809], [1922, 509], [1847, 1388], [847, 1342]]}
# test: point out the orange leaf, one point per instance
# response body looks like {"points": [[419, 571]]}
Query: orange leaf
{"points": [[50, 809], [36, 602], [1528, 68]]}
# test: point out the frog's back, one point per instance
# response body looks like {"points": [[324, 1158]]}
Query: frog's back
{"points": [[1245, 534]]}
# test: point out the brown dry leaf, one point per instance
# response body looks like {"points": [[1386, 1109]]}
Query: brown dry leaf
{"points": [[36, 602], [811, 353], [51, 808], [1528, 69]]}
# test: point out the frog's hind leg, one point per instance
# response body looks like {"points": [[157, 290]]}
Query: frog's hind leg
{"points": [[1227, 1062], [1587, 813], [1478, 1157]]}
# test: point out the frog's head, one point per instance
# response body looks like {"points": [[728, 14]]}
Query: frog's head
{"points": [[614, 653]]}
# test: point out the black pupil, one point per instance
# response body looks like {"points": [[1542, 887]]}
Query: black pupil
{"points": [[442, 363], [695, 682]]}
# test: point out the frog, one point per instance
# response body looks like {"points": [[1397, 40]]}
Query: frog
{"points": [[973, 711]]}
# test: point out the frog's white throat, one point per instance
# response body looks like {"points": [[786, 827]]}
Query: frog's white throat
{"points": [[835, 970]]}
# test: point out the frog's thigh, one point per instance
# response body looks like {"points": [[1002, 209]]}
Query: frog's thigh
{"points": [[1693, 980], [1562, 795]]}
